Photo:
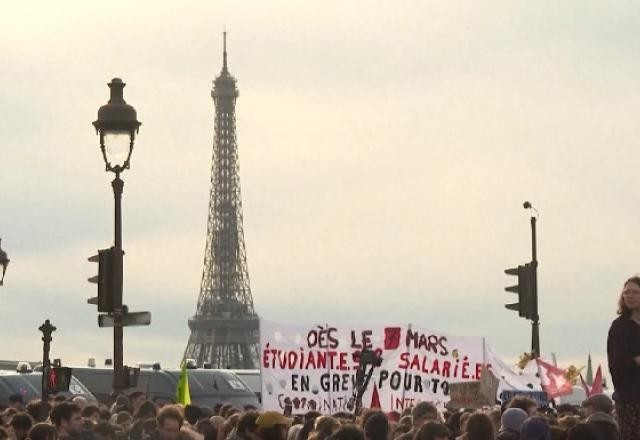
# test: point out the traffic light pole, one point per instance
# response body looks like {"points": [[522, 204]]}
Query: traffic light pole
{"points": [[535, 325], [118, 335], [47, 329]]}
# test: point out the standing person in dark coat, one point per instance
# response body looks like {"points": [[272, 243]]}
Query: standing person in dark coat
{"points": [[623, 350]]}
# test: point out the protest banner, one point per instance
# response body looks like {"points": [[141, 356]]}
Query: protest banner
{"points": [[474, 394], [313, 367], [489, 384], [465, 395], [540, 397]]}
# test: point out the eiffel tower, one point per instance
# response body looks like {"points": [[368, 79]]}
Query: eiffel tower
{"points": [[224, 330]]}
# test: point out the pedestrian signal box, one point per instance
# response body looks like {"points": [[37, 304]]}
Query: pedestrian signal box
{"points": [[58, 379]]}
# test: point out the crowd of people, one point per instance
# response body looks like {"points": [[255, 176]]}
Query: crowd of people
{"points": [[134, 417]]}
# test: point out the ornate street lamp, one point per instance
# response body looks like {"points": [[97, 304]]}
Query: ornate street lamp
{"points": [[117, 126], [4, 262]]}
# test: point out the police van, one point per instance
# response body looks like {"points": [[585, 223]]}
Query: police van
{"points": [[252, 379], [207, 387], [29, 386]]}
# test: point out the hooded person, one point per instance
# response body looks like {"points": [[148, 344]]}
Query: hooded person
{"points": [[511, 424]]}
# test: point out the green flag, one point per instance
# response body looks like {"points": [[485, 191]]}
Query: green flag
{"points": [[182, 393]]}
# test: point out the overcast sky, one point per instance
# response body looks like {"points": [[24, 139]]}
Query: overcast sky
{"points": [[385, 152]]}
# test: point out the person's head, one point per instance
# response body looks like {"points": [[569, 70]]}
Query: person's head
{"points": [[247, 424], [400, 430], [464, 418], [512, 419], [192, 414], [325, 426], [479, 427], [347, 432], [146, 410], [432, 430], [271, 425], [169, 421], [218, 421], [312, 415], [42, 431], [206, 429], [224, 409], [80, 401], [205, 412], [124, 420], [67, 417], [135, 400], [229, 425], [581, 431], [393, 416], [598, 403], [630, 297], [604, 426], [34, 409], [422, 412], [91, 413], [21, 423], [105, 414], [376, 427], [104, 431], [365, 413], [453, 423], [16, 401], [535, 428], [306, 429], [525, 403], [293, 432]]}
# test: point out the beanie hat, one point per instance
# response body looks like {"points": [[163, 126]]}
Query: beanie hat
{"points": [[513, 418]]}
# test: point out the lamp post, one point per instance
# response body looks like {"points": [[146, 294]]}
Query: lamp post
{"points": [[4, 262], [535, 324], [116, 126], [47, 329]]}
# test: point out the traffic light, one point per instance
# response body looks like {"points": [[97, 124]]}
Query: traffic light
{"points": [[525, 305], [106, 280], [57, 379]]}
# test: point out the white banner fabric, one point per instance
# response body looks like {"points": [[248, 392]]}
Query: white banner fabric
{"points": [[313, 367]]}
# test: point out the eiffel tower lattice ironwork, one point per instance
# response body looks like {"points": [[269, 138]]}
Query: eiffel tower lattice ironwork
{"points": [[224, 330]]}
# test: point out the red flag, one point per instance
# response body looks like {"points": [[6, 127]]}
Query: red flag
{"points": [[552, 379], [585, 385], [597, 388], [375, 398]]}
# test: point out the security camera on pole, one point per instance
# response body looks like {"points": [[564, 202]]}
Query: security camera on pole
{"points": [[527, 287]]}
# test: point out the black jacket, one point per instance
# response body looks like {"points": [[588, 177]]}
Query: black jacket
{"points": [[623, 344]]}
